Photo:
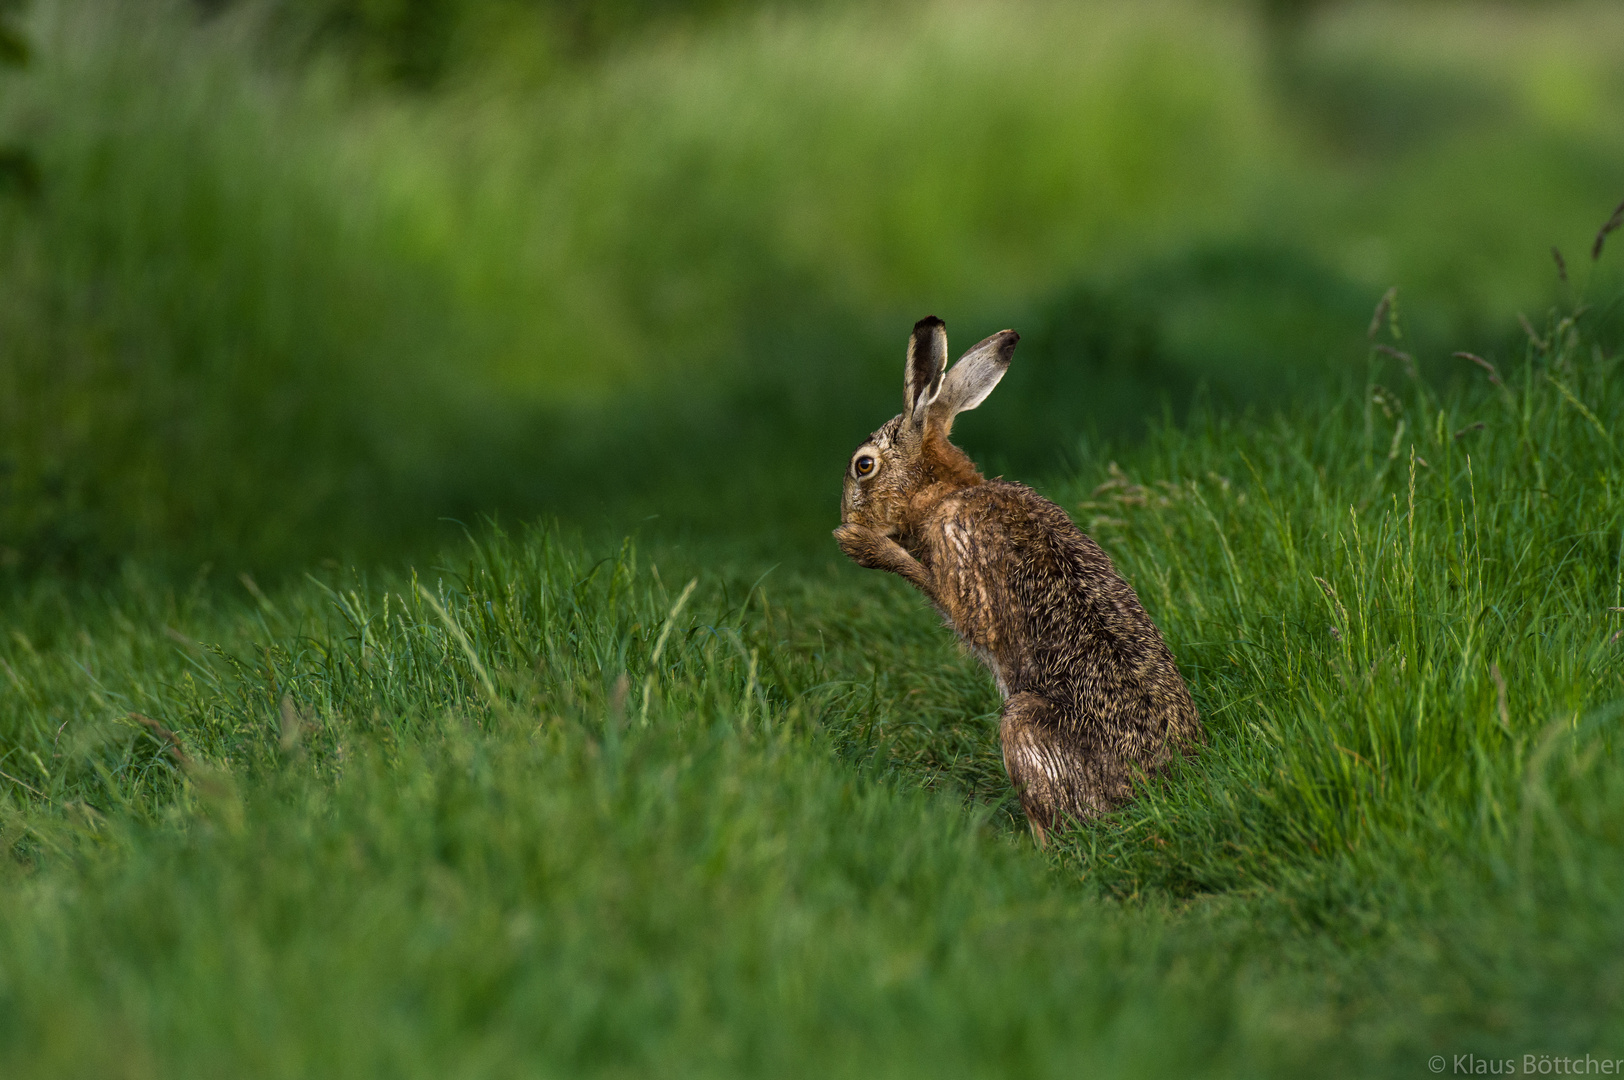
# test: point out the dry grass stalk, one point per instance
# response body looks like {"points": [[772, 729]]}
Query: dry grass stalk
{"points": [[163, 734], [25, 786], [1401, 356], [1601, 237], [292, 725], [1382, 308], [1539, 343], [1494, 372], [1500, 697]]}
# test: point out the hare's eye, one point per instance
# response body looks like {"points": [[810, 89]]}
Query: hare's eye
{"points": [[863, 465]]}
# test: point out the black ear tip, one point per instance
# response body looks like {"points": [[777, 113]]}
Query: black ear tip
{"points": [[929, 322]]}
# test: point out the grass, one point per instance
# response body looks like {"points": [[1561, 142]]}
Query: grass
{"points": [[538, 805], [545, 809], [257, 316]]}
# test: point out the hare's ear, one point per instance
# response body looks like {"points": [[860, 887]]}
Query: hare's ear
{"points": [[973, 377], [927, 359]]}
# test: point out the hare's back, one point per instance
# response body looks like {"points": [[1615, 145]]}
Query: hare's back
{"points": [[1017, 531], [1085, 639], [1040, 575]]}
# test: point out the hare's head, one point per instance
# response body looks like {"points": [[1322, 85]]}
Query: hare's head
{"points": [[910, 456]]}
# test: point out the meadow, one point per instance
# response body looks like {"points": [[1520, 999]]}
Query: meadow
{"points": [[423, 652]]}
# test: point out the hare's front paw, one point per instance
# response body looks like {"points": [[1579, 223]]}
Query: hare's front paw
{"points": [[864, 546], [876, 551]]}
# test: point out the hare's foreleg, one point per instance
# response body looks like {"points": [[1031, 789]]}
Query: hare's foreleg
{"points": [[1043, 769], [876, 551]]}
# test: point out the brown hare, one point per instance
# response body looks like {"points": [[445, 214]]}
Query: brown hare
{"points": [[1092, 697]]}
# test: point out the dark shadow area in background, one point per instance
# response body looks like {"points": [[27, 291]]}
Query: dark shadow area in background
{"points": [[760, 461], [19, 173], [294, 456], [756, 461]]}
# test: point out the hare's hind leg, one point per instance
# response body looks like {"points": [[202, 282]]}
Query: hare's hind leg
{"points": [[1046, 772]]}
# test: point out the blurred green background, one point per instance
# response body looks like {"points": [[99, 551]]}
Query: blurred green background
{"points": [[323, 278]]}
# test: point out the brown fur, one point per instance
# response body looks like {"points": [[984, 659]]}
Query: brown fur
{"points": [[1093, 698]]}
